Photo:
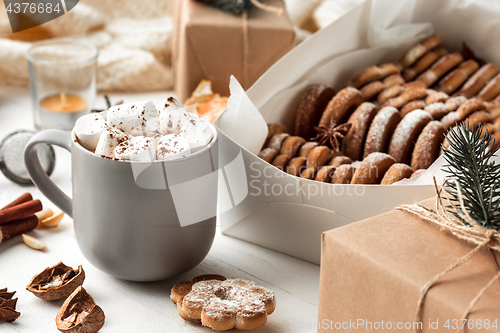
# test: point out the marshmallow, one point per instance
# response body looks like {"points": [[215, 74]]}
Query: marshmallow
{"points": [[138, 148], [198, 132], [172, 146], [110, 138], [173, 116], [138, 119], [88, 130]]}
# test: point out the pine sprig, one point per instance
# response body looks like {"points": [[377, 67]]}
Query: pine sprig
{"points": [[231, 6], [469, 161]]}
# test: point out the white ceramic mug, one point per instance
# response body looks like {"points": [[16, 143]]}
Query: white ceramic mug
{"points": [[125, 218]]}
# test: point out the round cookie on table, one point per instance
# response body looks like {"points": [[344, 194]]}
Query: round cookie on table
{"points": [[223, 304]]}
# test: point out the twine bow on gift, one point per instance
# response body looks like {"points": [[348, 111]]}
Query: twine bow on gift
{"points": [[459, 222]]}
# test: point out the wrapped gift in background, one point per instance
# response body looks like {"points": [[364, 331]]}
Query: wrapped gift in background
{"points": [[213, 45], [373, 271]]}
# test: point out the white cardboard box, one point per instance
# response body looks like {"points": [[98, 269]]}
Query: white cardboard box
{"points": [[291, 216]]}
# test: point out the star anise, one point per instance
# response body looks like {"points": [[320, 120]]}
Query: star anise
{"points": [[331, 136], [8, 306]]}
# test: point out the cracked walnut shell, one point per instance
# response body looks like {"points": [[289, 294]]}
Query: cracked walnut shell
{"points": [[56, 282], [80, 314]]}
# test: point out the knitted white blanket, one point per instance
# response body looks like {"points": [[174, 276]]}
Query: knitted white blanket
{"points": [[133, 38]]}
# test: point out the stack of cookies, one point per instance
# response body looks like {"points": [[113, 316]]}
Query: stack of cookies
{"points": [[391, 122]]}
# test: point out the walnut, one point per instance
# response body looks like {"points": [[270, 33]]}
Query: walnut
{"points": [[80, 314], [56, 282]]}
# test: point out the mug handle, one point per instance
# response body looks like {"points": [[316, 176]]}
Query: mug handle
{"points": [[39, 176]]}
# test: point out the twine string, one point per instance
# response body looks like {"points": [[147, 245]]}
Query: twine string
{"points": [[246, 48], [268, 8], [473, 233], [478, 296]]}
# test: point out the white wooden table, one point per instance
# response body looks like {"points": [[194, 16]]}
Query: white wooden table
{"points": [[129, 306]]}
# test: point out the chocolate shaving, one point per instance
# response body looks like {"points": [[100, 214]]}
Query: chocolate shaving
{"points": [[331, 137]]}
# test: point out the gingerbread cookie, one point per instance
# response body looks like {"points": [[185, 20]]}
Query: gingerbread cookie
{"points": [[417, 51], [451, 82], [397, 172], [406, 96], [325, 174], [437, 110], [453, 103], [306, 148], [339, 160], [275, 128], [311, 107], [276, 141], [341, 106], [373, 73], [478, 80], [405, 135], [469, 107], [491, 90], [268, 154], [225, 304], [372, 169], [296, 166], [428, 145], [353, 142], [423, 63], [411, 106], [281, 161], [343, 174], [450, 120], [380, 132], [291, 145], [440, 68]]}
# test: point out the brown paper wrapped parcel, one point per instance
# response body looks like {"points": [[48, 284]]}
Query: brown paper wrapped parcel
{"points": [[372, 273], [213, 45]]}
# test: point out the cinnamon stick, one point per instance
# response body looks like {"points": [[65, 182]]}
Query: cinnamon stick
{"points": [[23, 198], [18, 227], [20, 211]]}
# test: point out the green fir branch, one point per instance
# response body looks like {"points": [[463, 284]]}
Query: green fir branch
{"points": [[468, 161]]}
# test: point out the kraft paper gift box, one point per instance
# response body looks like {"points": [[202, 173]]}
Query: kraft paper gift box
{"points": [[373, 271], [212, 44], [374, 32]]}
